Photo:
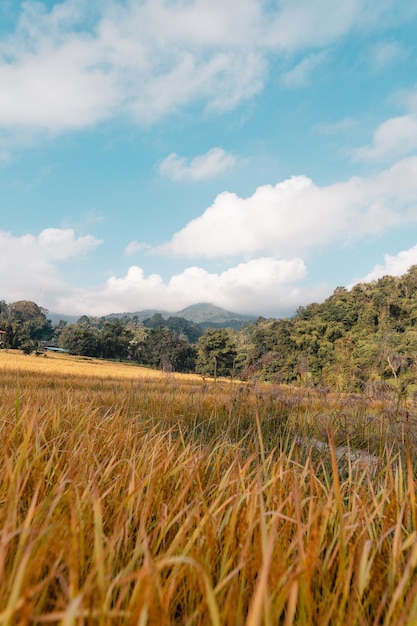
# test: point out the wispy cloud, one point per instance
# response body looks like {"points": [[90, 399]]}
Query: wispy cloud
{"points": [[208, 165], [133, 247], [78, 63], [394, 138], [384, 53], [302, 73]]}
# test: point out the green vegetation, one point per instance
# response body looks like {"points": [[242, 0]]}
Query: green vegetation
{"points": [[352, 339], [162, 348], [216, 353], [24, 324], [168, 500]]}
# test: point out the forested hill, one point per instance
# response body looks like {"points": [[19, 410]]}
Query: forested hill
{"points": [[208, 315], [354, 336]]}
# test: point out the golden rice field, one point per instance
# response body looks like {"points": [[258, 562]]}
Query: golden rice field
{"points": [[132, 497], [82, 366]]}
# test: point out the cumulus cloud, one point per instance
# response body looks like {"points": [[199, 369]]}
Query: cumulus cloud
{"points": [[263, 286], [32, 268], [28, 263], [296, 215], [214, 162], [394, 265], [78, 63], [393, 138]]}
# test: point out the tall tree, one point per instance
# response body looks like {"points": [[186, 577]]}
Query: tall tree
{"points": [[114, 340], [216, 353], [161, 348], [81, 339]]}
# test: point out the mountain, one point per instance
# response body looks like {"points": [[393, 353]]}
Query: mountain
{"points": [[204, 314], [55, 318]]}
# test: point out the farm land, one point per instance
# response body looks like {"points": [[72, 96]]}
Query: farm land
{"points": [[130, 496]]}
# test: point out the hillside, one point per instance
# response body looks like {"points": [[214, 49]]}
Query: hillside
{"points": [[355, 336]]}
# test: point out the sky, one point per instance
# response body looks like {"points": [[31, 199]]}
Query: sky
{"points": [[160, 153]]}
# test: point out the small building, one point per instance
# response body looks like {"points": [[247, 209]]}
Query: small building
{"points": [[54, 349], [2, 333]]}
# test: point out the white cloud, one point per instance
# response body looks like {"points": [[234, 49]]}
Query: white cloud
{"points": [[312, 23], [208, 165], [145, 59], [263, 286], [31, 268], [133, 247], [393, 138], [60, 244], [52, 92], [296, 216], [28, 263], [79, 63], [302, 73], [395, 265]]}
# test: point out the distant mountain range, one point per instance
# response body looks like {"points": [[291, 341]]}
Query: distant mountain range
{"points": [[204, 314]]}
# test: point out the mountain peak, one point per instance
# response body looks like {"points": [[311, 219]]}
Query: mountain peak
{"points": [[206, 313]]}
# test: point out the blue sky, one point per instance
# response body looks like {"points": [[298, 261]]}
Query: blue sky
{"points": [[158, 153]]}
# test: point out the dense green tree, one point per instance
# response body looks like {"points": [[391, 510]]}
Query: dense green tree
{"points": [[25, 310], [81, 339], [180, 326], [114, 340], [16, 334], [84, 319], [216, 353], [161, 348], [39, 329], [155, 321], [184, 328], [355, 335], [25, 325]]}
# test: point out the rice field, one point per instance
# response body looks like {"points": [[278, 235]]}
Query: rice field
{"points": [[133, 497]]}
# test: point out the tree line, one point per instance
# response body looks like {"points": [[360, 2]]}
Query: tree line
{"points": [[355, 336], [172, 344]]}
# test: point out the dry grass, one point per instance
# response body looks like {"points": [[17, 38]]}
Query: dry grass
{"points": [[127, 499], [52, 362]]}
